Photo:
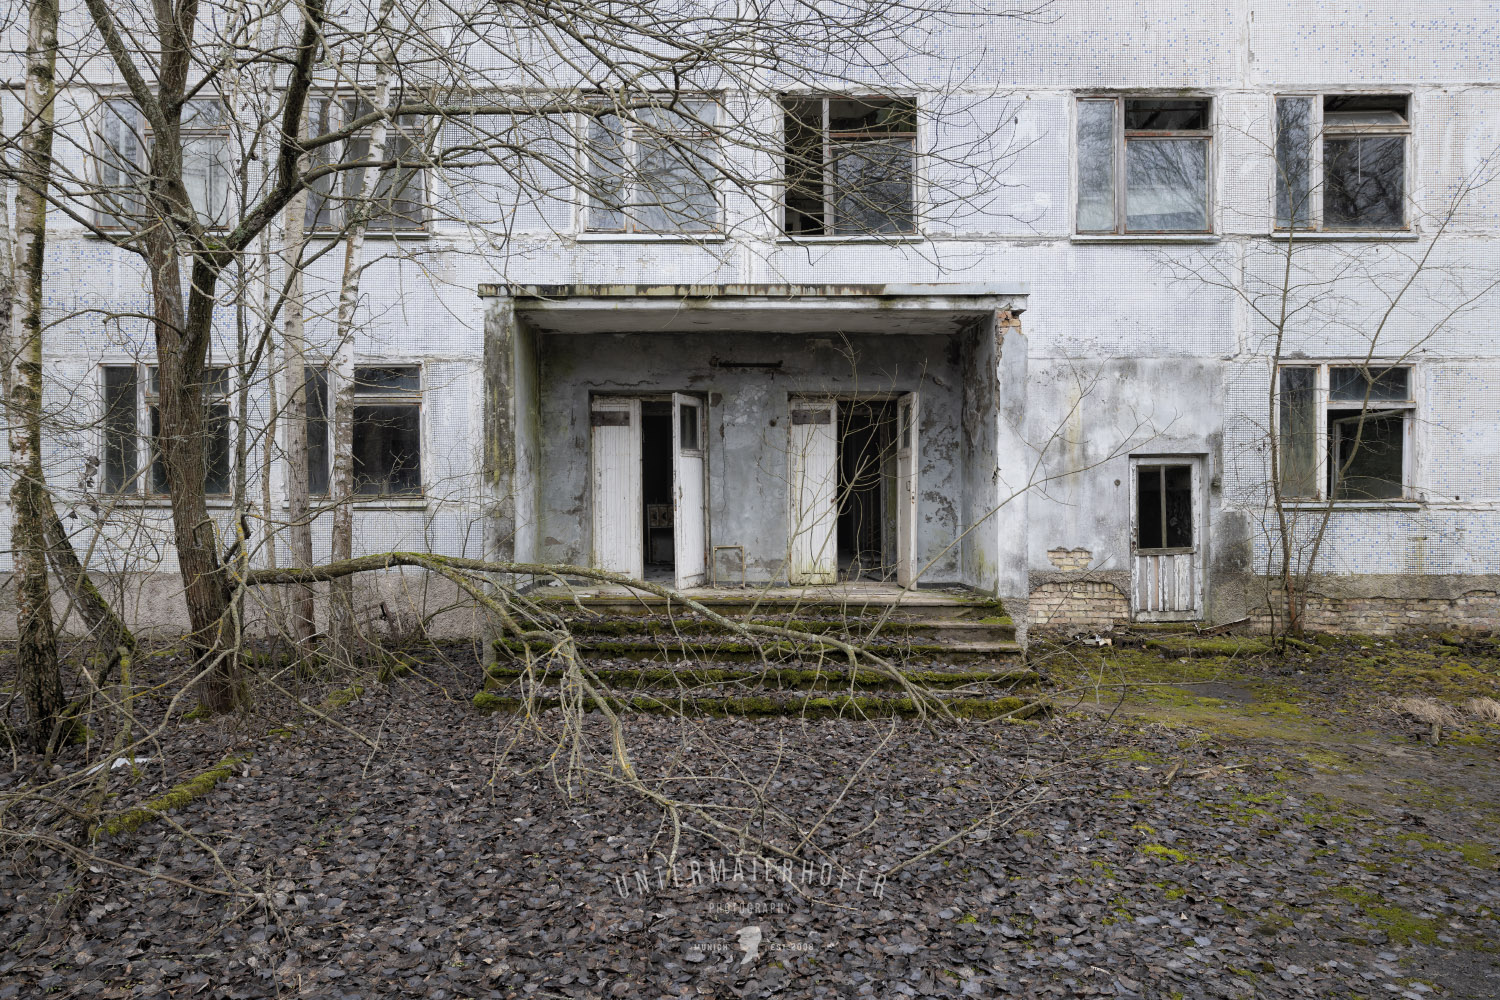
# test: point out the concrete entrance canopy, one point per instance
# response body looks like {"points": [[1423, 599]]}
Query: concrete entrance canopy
{"points": [[960, 345], [935, 308]]}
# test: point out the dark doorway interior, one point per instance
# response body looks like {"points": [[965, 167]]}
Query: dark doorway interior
{"points": [[866, 447], [656, 489]]}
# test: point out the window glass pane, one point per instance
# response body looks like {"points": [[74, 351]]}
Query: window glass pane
{"points": [[607, 173], [158, 467], [803, 123], [397, 195], [1162, 115], [316, 391], [216, 451], [120, 455], [687, 433], [1383, 384], [1342, 110], [1096, 166], [205, 175], [378, 379], [1148, 517], [873, 186], [1365, 455], [675, 185], [1293, 161], [322, 199], [1166, 185], [387, 450], [1179, 506], [119, 157], [1364, 180], [1298, 458]]}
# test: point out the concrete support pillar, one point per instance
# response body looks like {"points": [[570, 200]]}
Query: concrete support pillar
{"points": [[1014, 464], [996, 461], [511, 434]]}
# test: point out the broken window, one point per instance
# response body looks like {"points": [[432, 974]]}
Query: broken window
{"points": [[850, 166], [1355, 178], [132, 425], [1143, 165], [653, 170], [315, 396], [1164, 507], [1344, 431], [388, 430], [397, 198], [122, 151]]}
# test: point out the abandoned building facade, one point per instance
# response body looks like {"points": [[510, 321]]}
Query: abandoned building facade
{"points": [[1207, 237]]}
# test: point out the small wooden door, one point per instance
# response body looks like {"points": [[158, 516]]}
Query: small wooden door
{"points": [[618, 539], [1167, 539], [906, 489], [690, 541], [812, 464]]}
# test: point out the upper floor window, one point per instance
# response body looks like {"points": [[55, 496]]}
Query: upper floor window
{"points": [[1345, 431], [395, 199], [122, 151], [1341, 161], [653, 171], [132, 428], [850, 166], [1143, 164]]}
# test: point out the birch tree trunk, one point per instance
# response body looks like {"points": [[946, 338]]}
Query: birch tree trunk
{"points": [[36, 658], [303, 617], [341, 591]]}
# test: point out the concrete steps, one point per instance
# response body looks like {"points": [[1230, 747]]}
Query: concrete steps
{"points": [[649, 656]]}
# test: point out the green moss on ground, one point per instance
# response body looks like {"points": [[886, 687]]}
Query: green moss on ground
{"points": [[1396, 922], [173, 799]]}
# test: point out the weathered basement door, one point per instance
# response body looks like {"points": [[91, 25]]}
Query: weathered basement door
{"points": [[1167, 539]]}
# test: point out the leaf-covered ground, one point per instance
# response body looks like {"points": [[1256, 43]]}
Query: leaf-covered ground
{"points": [[1235, 824]]}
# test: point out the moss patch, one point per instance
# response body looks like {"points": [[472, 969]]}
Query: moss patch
{"points": [[175, 798]]}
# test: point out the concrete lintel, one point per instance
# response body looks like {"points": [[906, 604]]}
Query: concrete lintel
{"points": [[949, 291]]}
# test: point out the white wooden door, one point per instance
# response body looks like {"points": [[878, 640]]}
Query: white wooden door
{"points": [[906, 489], [814, 476], [1167, 538], [689, 520], [618, 542]]}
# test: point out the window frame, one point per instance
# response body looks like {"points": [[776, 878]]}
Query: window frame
{"points": [[341, 107], [830, 192], [1120, 139], [390, 397], [143, 485], [1323, 403], [709, 138], [1318, 136], [141, 126]]}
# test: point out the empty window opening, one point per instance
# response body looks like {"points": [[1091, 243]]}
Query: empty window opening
{"points": [[1344, 431], [866, 497], [656, 490], [1164, 508]]}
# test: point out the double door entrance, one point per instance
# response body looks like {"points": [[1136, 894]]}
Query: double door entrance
{"points": [[851, 503]]}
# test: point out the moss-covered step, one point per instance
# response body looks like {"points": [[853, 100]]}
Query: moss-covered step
{"points": [[811, 602], [502, 675], [734, 649], [781, 704], [996, 628]]}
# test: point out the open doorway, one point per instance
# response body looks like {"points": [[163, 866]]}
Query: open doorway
{"points": [[649, 511], [853, 477], [866, 498], [656, 491]]}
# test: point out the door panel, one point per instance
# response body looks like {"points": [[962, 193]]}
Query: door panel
{"points": [[689, 442], [907, 451], [618, 541], [1167, 530], [812, 464]]}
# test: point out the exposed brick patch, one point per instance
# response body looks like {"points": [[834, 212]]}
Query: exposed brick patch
{"points": [[1081, 604], [1070, 560], [1477, 610]]}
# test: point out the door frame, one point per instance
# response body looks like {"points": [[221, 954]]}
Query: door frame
{"points": [[1197, 552]]}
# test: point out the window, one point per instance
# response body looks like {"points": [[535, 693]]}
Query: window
{"points": [[319, 427], [1344, 431], [1355, 177], [122, 148], [398, 200], [653, 173], [850, 166], [1143, 165], [388, 431], [132, 425], [1164, 508]]}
